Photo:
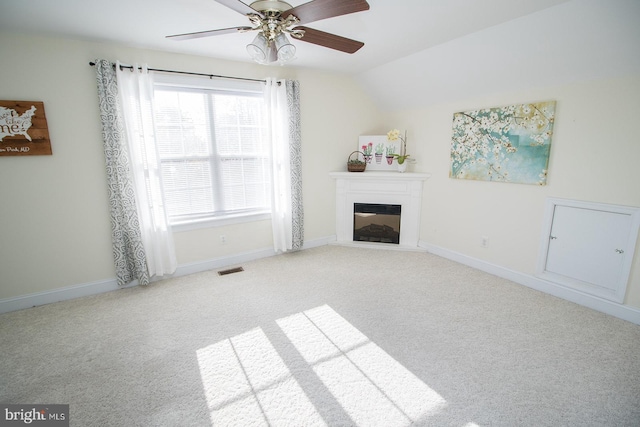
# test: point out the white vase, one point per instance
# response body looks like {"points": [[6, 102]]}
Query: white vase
{"points": [[402, 166]]}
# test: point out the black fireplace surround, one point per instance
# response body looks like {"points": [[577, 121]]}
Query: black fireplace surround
{"points": [[376, 223]]}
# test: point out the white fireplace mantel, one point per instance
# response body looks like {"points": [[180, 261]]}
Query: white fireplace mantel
{"points": [[392, 188]]}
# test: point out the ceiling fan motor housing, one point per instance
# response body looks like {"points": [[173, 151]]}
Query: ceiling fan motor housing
{"points": [[270, 21], [265, 6]]}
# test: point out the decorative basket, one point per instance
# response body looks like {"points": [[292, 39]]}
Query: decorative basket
{"points": [[356, 165]]}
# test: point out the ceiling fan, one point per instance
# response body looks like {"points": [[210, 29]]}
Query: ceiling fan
{"points": [[273, 19]]}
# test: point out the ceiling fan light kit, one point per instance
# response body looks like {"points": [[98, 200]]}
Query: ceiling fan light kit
{"points": [[273, 19], [264, 51], [257, 49], [286, 51]]}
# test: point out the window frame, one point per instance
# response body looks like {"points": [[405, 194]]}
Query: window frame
{"points": [[220, 86]]}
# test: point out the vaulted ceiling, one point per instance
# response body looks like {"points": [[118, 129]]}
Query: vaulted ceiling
{"points": [[390, 30], [416, 52]]}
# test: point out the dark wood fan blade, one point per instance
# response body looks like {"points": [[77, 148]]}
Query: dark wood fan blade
{"points": [[238, 6], [322, 9], [329, 40], [209, 33]]}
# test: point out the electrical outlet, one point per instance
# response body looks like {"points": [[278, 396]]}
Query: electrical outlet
{"points": [[223, 239], [485, 241]]}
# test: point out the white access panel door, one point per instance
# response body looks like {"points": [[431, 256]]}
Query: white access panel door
{"points": [[590, 247]]}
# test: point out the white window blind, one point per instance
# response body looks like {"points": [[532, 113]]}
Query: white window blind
{"points": [[213, 152]]}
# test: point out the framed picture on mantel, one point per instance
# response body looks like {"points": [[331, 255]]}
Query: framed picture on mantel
{"points": [[23, 129], [378, 152]]}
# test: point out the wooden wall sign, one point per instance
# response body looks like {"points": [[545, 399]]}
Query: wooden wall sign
{"points": [[23, 129]]}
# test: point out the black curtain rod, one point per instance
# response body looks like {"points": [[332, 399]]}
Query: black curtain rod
{"points": [[130, 67]]}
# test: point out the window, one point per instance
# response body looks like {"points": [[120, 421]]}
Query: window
{"points": [[213, 150]]}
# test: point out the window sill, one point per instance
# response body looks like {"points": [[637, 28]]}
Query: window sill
{"points": [[219, 222]]}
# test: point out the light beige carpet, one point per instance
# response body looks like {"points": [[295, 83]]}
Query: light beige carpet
{"points": [[329, 336]]}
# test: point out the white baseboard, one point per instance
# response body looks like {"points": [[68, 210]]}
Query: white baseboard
{"points": [[322, 241], [212, 264], [60, 294], [621, 311], [215, 263], [107, 285], [93, 288]]}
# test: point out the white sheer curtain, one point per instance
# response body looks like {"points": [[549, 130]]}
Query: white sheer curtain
{"points": [[136, 95], [282, 101]]}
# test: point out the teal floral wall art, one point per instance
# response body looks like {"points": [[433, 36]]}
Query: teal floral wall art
{"points": [[505, 144]]}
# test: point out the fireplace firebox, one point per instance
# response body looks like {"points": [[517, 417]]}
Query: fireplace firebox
{"points": [[376, 223]]}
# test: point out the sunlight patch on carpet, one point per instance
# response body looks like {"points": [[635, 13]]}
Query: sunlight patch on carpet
{"points": [[372, 387], [246, 382]]}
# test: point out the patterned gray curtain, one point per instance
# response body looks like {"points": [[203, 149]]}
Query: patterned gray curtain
{"points": [[295, 154], [128, 251]]}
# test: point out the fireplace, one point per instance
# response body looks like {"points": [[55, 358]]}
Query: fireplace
{"points": [[399, 193], [374, 222]]}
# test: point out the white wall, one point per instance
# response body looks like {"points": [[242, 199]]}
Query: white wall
{"points": [[54, 221], [594, 157]]}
